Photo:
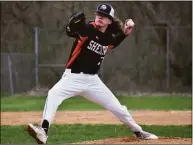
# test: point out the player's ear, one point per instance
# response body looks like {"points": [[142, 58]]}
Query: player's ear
{"points": [[110, 21]]}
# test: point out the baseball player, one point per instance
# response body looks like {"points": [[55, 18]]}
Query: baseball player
{"points": [[92, 41]]}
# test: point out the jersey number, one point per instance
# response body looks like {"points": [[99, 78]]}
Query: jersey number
{"points": [[101, 60]]}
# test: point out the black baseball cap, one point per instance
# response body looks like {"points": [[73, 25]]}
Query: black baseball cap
{"points": [[107, 10]]}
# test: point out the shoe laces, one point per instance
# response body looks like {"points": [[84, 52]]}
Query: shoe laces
{"points": [[145, 134], [40, 129], [142, 134]]}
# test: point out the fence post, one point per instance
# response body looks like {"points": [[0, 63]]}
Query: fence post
{"points": [[10, 75], [36, 55], [167, 58]]}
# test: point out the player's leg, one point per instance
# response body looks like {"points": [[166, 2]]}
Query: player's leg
{"points": [[100, 94], [65, 88], [61, 91]]}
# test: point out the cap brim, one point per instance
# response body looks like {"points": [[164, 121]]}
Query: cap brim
{"points": [[107, 15]]}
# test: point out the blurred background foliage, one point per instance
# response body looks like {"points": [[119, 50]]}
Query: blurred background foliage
{"points": [[139, 64]]}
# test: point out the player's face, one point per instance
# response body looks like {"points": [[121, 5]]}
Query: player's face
{"points": [[101, 20]]}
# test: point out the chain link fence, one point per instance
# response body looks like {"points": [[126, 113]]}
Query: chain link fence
{"points": [[142, 63], [152, 59], [17, 72]]}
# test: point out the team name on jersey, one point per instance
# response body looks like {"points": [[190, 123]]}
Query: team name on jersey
{"points": [[97, 48]]}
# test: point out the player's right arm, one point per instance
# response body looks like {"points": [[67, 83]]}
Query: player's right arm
{"points": [[123, 30]]}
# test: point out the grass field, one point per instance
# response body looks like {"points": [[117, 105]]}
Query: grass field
{"points": [[26, 103], [59, 134], [76, 133]]}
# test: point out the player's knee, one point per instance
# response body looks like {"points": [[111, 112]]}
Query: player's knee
{"points": [[123, 114], [124, 110], [52, 92], [121, 111]]}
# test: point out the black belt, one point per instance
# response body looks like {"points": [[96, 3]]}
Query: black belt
{"points": [[82, 72]]}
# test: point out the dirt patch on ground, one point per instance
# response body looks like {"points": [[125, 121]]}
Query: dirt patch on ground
{"points": [[105, 117], [100, 117], [133, 140]]}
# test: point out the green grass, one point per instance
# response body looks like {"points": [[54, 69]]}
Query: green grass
{"points": [[76, 133], [29, 103]]}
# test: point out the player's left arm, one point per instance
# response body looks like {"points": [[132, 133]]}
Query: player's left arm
{"points": [[76, 25]]}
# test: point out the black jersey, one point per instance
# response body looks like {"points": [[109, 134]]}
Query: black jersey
{"points": [[90, 47]]}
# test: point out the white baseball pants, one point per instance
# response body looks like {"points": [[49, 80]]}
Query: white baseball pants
{"points": [[90, 87]]}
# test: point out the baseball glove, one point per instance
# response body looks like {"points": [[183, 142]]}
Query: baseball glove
{"points": [[77, 21]]}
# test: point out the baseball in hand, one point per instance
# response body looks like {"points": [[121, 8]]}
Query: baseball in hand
{"points": [[130, 23]]}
